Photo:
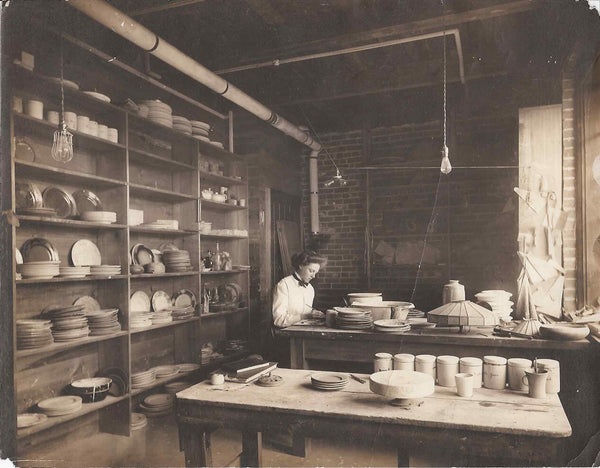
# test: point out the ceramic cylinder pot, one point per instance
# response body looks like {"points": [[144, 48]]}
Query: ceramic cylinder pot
{"points": [[494, 372], [35, 109], [404, 362], [553, 380], [382, 362], [447, 368], [426, 363], [113, 135], [516, 371], [71, 120], [83, 123], [452, 292], [472, 365]]}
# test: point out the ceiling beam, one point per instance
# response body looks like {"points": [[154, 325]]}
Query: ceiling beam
{"points": [[413, 28], [266, 11], [163, 7]]}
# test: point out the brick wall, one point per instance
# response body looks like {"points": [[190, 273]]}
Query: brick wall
{"points": [[473, 234]]}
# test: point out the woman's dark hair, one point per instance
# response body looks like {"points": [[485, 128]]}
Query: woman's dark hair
{"points": [[307, 256]]}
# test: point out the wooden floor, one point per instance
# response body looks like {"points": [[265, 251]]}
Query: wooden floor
{"points": [[157, 445]]}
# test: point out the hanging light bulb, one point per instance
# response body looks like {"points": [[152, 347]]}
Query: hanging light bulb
{"points": [[62, 147], [446, 167], [337, 179]]}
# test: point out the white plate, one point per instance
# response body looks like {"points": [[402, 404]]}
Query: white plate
{"points": [[88, 302], [100, 97], [139, 302], [84, 252], [161, 301]]}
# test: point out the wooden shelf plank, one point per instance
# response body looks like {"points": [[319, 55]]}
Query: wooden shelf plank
{"points": [[70, 223], [161, 232], [59, 279], [85, 409], [216, 206], [209, 176], [145, 157], [164, 325], [138, 190], [224, 312], [80, 140], [223, 272], [221, 236], [56, 174], [163, 275], [56, 347]]}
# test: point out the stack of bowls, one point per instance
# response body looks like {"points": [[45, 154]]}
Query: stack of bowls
{"points": [[182, 124], [33, 333], [499, 302], [159, 112], [103, 322], [200, 130], [364, 296], [101, 217], [143, 379], [177, 260], [92, 389], [353, 318], [159, 404], [39, 270]]}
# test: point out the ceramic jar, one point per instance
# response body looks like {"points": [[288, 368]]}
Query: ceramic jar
{"points": [[113, 135], [447, 368], [494, 372], [382, 362], [452, 292], [404, 362], [472, 365], [83, 123], [35, 109], [71, 120], [52, 117], [425, 363], [93, 128], [516, 373], [102, 131], [553, 380]]}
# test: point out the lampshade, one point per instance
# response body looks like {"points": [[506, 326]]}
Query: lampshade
{"points": [[462, 313]]}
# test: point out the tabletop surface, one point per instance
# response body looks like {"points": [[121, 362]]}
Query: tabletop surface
{"points": [[476, 337], [496, 411]]}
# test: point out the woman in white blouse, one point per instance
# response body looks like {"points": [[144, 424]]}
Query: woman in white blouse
{"points": [[294, 295]]}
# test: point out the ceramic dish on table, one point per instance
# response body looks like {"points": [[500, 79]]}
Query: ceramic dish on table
{"points": [[564, 331], [391, 326], [328, 381]]}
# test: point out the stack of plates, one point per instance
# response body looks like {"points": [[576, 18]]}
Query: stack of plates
{"points": [[329, 381], [74, 272], [105, 270], [414, 313], [218, 144], [103, 322], [188, 367], [143, 379], [140, 319], [101, 217], [70, 327], [60, 405], [60, 201], [182, 313], [177, 260], [162, 224], [200, 130], [166, 372], [182, 124], [159, 112], [499, 301], [138, 420], [391, 326], [174, 387], [353, 319], [33, 333], [39, 270], [163, 316], [46, 212], [159, 404]]}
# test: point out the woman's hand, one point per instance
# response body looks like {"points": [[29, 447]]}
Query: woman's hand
{"points": [[317, 314]]}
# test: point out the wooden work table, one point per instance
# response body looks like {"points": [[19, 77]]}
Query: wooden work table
{"points": [[494, 426], [320, 347]]}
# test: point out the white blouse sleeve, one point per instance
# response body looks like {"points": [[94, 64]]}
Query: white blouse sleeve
{"points": [[281, 305]]}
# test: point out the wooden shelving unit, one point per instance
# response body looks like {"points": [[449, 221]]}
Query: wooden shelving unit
{"points": [[165, 181]]}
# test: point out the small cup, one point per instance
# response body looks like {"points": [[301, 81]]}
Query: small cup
{"points": [[217, 379], [242, 202], [83, 122], [17, 104], [113, 135], [330, 316], [102, 131], [52, 117], [536, 382], [93, 128], [35, 109], [382, 362], [71, 120], [464, 385], [472, 365]]}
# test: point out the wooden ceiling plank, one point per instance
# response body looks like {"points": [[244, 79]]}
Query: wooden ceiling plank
{"points": [[401, 30], [267, 12], [163, 7]]}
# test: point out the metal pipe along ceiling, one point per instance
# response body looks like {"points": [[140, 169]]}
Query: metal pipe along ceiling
{"points": [[124, 26]]}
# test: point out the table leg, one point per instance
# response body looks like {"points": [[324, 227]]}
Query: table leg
{"points": [[195, 441], [251, 449], [297, 360], [403, 457]]}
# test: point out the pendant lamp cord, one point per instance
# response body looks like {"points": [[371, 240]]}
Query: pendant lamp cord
{"points": [[444, 71], [62, 89]]}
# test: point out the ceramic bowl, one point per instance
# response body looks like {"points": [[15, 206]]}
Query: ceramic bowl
{"points": [[564, 331], [207, 195], [219, 198]]}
